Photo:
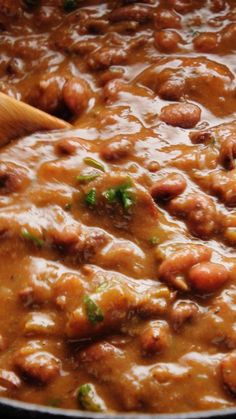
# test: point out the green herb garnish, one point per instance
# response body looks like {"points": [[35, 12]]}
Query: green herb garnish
{"points": [[91, 197], [102, 286], [87, 178], [93, 311], [70, 5], [122, 193], [154, 240], [94, 163], [31, 237], [88, 398]]}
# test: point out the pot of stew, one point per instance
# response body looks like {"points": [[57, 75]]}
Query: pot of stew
{"points": [[118, 235]]}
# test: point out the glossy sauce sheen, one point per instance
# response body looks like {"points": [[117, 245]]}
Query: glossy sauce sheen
{"points": [[117, 250]]}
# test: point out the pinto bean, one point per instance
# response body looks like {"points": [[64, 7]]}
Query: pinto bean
{"points": [[65, 147], [228, 371], [12, 178], [172, 89], [206, 42], [9, 379], [117, 150], [167, 40], [168, 187], [175, 267], [49, 95], [183, 312], [228, 152], [106, 57], [184, 115], [207, 277], [200, 213], [184, 6], [76, 94], [40, 366], [137, 13], [165, 19], [155, 337]]}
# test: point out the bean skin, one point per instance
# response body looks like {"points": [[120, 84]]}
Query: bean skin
{"points": [[165, 19], [166, 40], [116, 150], [184, 115], [179, 263], [207, 277], [133, 12], [228, 371], [168, 188], [206, 42], [76, 95], [172, 89]]}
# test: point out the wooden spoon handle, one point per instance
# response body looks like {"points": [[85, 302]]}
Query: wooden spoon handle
{"points": [[18, 119]]}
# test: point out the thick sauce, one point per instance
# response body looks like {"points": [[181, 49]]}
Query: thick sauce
{"points": [[117, 238]]}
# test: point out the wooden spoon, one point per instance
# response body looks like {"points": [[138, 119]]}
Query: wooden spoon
{"points": [[18, 119]]}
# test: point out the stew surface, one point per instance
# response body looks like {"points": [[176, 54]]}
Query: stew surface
{"points": [[117, 238]]}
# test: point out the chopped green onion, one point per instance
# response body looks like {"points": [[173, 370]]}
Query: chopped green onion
{"points": [[102, 286], [87, 178], [93, 311], [91, 197], [88, 398], [69, 5], [154, 240], [122, 193], [31, 237], [94, 163]]}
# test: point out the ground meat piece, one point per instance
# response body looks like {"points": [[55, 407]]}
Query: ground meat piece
{"points": [[12, 178], [201, 137], [155, 337], [40, 366], [167, 40], [174, 269], [217, 6], [206, 42], [165, 19], [228, 371], [184, 115], [116, 150], [9, 380], [76, 94], [183, 312], [134, 12], [207, 277], [199, 211], [228, 152], [168, 187], [75, 242]]}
